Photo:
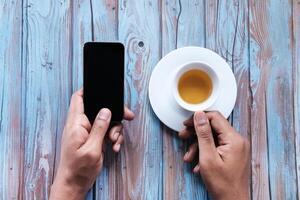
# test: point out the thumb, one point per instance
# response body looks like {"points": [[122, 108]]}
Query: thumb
{"points": [[207, 148], [98, 131]]}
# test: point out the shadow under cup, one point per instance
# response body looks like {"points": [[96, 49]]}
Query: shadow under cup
{"points": [[209, 102]]}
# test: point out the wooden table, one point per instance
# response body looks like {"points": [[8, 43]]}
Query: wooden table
{"points": [[41, 66]]}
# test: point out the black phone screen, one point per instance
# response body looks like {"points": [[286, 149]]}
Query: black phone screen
{"points": [[103, 79]]}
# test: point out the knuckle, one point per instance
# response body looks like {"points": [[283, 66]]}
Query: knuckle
{"points": [[204, 132], [218, 167], [77, 140], [92, 156], [84, 119], [74, 131]]}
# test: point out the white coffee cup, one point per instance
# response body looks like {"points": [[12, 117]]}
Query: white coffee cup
{"points": [[205, 105]]}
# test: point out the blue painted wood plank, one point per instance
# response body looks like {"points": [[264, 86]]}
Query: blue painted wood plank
{"points": [[190, 29], [81, 32], [227, 34], [296, 81], [105, 28], [47, 74], [272, 108], [139, 23], [232, 45], [258, 73], [178, 30], [105, 20], [11, 142]]}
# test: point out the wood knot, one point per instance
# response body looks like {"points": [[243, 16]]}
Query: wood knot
{"points": [[141, 44]]}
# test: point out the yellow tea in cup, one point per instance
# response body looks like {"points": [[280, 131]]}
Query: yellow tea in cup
{"points": [[195, 86]]}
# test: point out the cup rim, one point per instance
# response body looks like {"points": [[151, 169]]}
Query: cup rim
{"points": [[203, 106]]}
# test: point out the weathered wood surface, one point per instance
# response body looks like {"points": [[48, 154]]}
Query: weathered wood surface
{"points": [[179, 30], [11, 101], [81, 28], [141, 160], [273, 141], [41, 65], [232, 45], [296, 79], [46, 83]]}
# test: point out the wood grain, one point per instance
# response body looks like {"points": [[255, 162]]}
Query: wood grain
{"points": [[81, 32], [259, 53], [47, 89], [172, 156], [142, 156], [105, 28], [179, 30], [41, 66], [272, 123], [11, 143], [296, 73], [232, 45]]}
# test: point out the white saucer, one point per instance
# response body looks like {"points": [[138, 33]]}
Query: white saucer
{"points": [[160, 86]]}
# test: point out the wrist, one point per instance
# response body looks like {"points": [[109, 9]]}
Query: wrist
{"points": [[238, 193], [62, 188], [234, 196]]}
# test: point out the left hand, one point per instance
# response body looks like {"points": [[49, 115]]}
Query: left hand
{"points": [[82, 149]]}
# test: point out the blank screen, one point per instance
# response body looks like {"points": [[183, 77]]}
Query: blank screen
{"points": [[103, 79]]}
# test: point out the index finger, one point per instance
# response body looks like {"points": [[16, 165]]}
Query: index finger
{"points": [[219, 123], [189, 122], [76, 105]]}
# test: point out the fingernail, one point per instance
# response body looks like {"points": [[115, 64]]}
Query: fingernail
{"points": [[118, 146], [196, 169], [104, 114], [186, 155], [116, 135], [201, 118]]}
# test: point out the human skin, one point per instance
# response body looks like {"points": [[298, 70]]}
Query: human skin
{"points": [[82, 149], [224, 167]]}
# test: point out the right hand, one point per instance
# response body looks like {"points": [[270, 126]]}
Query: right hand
{"points": [[224, 167], [82, 149]]}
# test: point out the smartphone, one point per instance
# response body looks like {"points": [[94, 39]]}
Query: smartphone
{"points": [[103, 79]]}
